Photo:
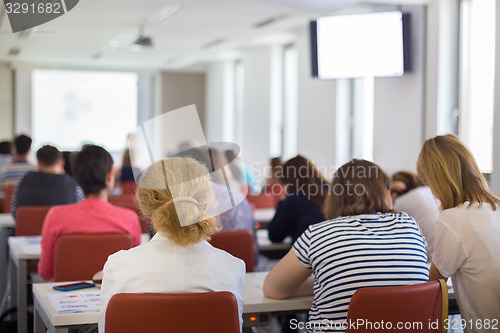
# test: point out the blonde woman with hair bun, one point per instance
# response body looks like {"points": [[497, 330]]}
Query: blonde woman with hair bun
{"points": [[174, 194], [467, 232]]}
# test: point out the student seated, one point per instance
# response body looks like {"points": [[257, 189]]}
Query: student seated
{"points": [[94, 173], [178, 259], [410, 195], [12, 172], [305, 189], [363, 244], [48, 186], [467, 234]]}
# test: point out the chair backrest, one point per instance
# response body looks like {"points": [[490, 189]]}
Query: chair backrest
{"points": [[9, 191], [80, 256], [128, 188], [29, 220], [208, 312], [424, 304], [262, 200], [130, 202], [239, 243]]}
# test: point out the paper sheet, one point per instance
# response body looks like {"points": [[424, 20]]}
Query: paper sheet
{"points": [[71, 302]]}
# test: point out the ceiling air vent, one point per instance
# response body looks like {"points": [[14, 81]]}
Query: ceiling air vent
{"points": [[269, 21]]}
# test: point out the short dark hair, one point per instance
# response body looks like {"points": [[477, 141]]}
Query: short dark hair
{"points": [[23, 144], [48, 155], [90, 168], [5, 147]]}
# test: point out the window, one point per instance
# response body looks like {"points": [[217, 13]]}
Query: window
{"points": [[477, 69]]}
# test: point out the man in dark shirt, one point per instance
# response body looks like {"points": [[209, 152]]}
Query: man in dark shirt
{"points": [[49, 185]]}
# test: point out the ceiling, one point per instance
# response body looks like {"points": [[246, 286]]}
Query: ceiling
{"points": [[202, 31]]}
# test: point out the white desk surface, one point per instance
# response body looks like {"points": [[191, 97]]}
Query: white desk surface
{"points": [[266, 245], [7, 220], [255, 302], [28, 247], [264, 215]]}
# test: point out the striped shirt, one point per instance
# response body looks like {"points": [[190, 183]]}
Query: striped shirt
{"points": [[348, 253], [11, 173]]}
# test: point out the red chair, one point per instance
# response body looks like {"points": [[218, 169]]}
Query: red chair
{"points": [[9, 191], [29, 220], [207, 312], [262, 200], [239, 243], [128, 188], [410, 305], [130, 202], [80, 256]]}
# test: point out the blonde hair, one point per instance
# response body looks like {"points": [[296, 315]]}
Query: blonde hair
{"points": [[451, 171], [186, 178]]}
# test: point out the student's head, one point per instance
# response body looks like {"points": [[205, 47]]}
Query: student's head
{"points": [[5, 148], [92, 169], [276, 167], [410, 180], [300, 174], [451, 172], [49, 157], [358, 187], [188, 178], [23, 144], [126, 161]]}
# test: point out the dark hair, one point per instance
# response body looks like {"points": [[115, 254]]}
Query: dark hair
{"points": [[68, 157], [90, 168], [301, 174], [358, 187], [48, 155], [5, 148], [23, 144], [410, 180]]}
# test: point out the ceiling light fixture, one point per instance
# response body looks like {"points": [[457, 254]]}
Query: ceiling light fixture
{"points": [[163, 12]]}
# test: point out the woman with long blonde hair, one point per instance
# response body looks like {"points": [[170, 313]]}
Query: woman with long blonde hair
{"points": [[467, 232]]}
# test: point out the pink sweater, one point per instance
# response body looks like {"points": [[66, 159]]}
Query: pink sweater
{"points": [[90, 216]]}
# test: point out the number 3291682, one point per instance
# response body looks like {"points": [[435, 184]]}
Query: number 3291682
{"points": [[33, 8]]}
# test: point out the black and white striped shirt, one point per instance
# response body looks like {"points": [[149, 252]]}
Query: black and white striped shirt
{"points": [[353, 252]]}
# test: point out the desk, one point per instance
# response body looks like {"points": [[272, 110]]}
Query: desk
{"points": [[7, 225], [256, 305], [24, 249], [266, 245], [263, 216]]}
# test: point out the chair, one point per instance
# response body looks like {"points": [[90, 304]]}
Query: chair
{"points": [[130, 202], [128, 188], [29, 220], [419, 304], [9, 191], [239, 243], [207, 312], [263, 200], [80, 256]]}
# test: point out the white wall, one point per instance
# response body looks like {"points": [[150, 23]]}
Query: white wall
{"points": [[316, 109], [399, 106], [6, 114]]}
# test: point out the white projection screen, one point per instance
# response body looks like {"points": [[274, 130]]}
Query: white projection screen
{"points": [[72, 108], [360, 45]]}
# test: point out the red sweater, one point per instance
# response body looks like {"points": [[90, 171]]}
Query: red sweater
{"points": [[90, 216]]}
